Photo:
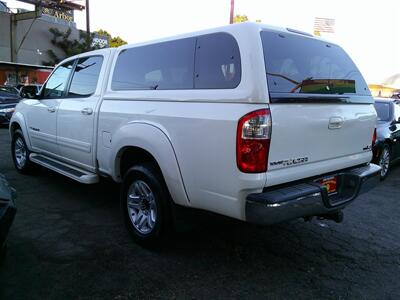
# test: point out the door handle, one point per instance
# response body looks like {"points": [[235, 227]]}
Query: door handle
{"points": [[51, 109], [87, 111]]}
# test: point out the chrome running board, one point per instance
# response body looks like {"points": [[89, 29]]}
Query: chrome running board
{"points": [[64, 169]]}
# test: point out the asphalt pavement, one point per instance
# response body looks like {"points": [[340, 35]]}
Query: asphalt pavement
{"points": [[68, 241]]}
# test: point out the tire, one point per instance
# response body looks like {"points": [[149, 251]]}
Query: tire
{"points": [[145, 203], [20, 153], [384, 161]]}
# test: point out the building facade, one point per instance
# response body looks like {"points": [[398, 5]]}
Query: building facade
{"points": [[32, 38], [24, 44]]}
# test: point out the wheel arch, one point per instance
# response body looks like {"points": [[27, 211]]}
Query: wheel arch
{"points": [[386, 142], [144, 142], [389, 142], [18, 122], [14, 126]]}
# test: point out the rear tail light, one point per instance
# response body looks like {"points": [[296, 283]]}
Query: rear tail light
{"points": [[253, 140], [374, 138]]}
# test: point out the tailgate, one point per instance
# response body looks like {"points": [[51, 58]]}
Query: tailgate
{"points": [[316, 133], [322, 112]]}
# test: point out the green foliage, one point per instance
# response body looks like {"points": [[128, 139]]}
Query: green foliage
{"points": [[113, 41], [240, 19], [103, 33], [243, 18], [117, 41], [69, 46]]}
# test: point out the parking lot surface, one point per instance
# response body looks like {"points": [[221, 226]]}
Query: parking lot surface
{"points": [[68, 241]]}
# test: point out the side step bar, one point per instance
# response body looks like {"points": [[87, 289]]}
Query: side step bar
{"points": [[64, 169]]}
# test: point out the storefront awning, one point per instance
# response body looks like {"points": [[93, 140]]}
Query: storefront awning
{"points": [[12, 64]]}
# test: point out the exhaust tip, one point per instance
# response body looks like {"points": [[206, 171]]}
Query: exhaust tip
{"points": [[336, 216]]}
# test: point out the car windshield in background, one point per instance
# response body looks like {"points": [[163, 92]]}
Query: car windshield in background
{"points": [[297, 64], [9, 89], [383, 111]]}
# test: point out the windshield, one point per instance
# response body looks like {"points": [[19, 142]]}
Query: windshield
{"points": [[301, 65], [383, 111]]}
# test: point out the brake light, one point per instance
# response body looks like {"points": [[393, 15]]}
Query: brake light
{"points": [[374, 138], [253, 140]]}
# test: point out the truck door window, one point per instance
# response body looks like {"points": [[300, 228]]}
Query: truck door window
{"points": [[57, 82], [85, 77]]}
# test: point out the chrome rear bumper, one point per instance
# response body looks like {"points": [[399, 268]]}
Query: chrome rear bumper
{"points": [[310, 198]]}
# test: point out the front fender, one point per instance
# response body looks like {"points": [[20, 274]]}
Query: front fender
{"points": [[153, 139], [18, 118]]}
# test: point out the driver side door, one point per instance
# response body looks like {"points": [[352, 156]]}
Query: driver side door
{"points": [[42, 114]]}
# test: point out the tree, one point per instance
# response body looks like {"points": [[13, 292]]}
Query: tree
{"points": [[243, 18], [69, 46], [113, 41], [117, 41], [240, 19]]}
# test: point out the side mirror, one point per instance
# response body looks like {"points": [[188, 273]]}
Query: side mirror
{"points": [[31, 96], [29, 92]]}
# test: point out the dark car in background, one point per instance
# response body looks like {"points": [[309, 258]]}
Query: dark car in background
{"points": [[9, 89], [387, 146], [8, 101], [7, 212]]}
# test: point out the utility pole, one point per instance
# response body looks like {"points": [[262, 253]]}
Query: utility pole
{"points": [[232, 11], [87, 18]]}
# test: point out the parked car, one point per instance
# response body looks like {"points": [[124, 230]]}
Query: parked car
{"points": [[396, 95], [247, 120], [29, 91], [8, 101], [9, 89], [387, 147], [7, 212]]}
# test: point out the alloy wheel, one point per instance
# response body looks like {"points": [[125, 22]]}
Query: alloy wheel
{"points": [[384, 161], [20, 152], [142, 208]]}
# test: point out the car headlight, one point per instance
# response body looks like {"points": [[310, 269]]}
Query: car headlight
{"points": [[7, 110]]}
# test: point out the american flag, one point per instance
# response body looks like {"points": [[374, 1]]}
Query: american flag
{"points": [[324, 25]]}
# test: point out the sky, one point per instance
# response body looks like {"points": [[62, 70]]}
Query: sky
{"points": [[369, 30]]}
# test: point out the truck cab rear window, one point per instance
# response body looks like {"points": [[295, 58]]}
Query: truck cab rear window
{"points": [[297, 64]]}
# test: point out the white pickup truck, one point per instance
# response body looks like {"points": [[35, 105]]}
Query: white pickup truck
{"points": [[254, 122]]}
